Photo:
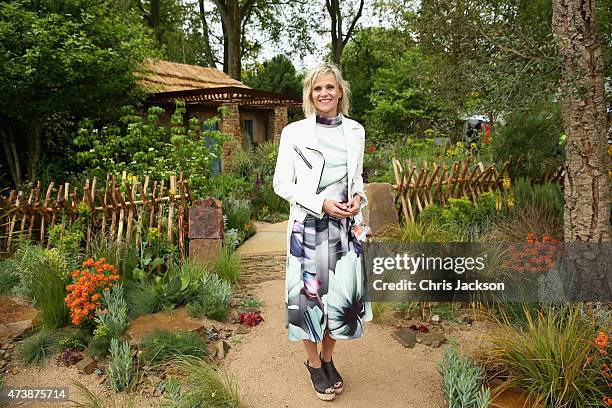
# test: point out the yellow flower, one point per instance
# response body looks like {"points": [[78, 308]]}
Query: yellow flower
{"points": [[473, 146], [498, 204], [510, 202], [506, 182]]}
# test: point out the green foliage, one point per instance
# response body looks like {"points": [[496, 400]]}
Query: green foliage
{"points": [[9, 279], [92, 400], [63, 61], [25, 263], [37, 348], [120, 366], [369, 50], [142, 298], [49, 289], [155, 256], [113, 321], [251, 302], [462, 381], [277, 74], [237, 213], [205, 386], [399, 104], [161, 345], [268, 205], [43, 276], [228, 265], [421, 231], [538, 209], [212, 298], [533, 138], [550, 357], [146, 147], [224, 185]]}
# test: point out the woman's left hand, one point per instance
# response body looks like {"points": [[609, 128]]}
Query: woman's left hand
{"points": [[354, 204]]}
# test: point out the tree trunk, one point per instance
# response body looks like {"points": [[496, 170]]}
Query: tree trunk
{"points": [[231, 22], [587, 195], [339, 39], [34, 137], [7, 136], [210, 57]]}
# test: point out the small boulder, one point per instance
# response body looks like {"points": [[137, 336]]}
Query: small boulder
{"points": [[406, 337], [433, 340], [87, 365]]}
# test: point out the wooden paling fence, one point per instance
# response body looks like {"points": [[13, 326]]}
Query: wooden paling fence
{"points": [[117, 207], [419, 186]]}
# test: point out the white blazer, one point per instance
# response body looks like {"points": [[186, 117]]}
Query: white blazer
{"points": [[299, 167]]}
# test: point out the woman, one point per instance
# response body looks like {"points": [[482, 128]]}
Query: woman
{"points": [[318, 170]]}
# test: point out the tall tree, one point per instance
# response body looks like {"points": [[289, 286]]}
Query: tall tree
{"points": [[587, 188], [61, 60], [277, 74], [340, 37]]}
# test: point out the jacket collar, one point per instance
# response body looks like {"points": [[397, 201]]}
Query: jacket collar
{"points": [[351, 142]]}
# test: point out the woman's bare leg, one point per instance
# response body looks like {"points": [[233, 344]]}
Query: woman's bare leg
{"points": [[327, 347], [313, 354]]}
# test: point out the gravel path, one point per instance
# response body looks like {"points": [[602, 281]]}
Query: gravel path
{"points": [[377, 370]]}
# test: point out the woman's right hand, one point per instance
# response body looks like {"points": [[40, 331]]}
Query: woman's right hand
{"points": [[335, 209]]}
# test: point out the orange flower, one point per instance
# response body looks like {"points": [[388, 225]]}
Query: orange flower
{"points": [[607, 401], [601, 340]]}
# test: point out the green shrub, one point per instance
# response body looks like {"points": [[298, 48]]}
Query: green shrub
{"points": [[546, 198], [268, 203], [237, 212], [462, 381], [228, 265], [25, 262], [49, 289], [37, 348], [212, 299], [531, 138], [160, 345], [420, 231], [142, 299], [120, 366], [205, 386], [9, 279], [223, 186], [550, 358], [113, 320]]}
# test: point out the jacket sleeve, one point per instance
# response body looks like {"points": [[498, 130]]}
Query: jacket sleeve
{"points": [[358, 178], [284, 181]]}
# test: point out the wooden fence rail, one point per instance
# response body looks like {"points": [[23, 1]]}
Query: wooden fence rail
{"points": [[115, 207], [419, 186]]}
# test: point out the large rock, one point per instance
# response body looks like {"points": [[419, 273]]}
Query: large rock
{"points": [[15, 318], [380, 212], [171, 320]]}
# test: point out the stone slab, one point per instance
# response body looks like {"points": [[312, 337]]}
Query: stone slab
{"points": [[380, 213], [206, 219]]}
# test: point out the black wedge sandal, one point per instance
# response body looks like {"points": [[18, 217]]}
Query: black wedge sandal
{"points": [[320, 382], [334, 376]]}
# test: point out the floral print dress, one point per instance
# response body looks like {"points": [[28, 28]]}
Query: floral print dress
{"points": [[325, 287]]}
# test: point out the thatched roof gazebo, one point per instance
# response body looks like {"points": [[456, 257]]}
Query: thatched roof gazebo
{"points": [[255, 115]]}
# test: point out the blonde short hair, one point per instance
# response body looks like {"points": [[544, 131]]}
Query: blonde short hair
{"points": [[312, 76]]}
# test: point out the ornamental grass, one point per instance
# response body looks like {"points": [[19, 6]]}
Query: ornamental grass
{"points": [[550, 358]]}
